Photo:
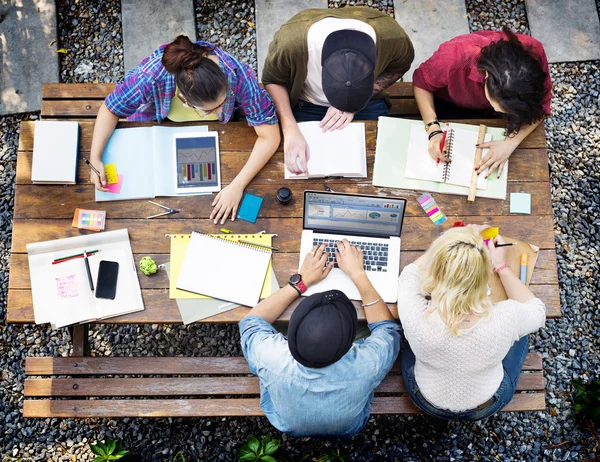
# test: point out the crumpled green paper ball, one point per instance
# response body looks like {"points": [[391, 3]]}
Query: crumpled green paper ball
{"points": [[148, 266]]}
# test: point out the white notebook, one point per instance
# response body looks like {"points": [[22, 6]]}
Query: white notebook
{"points": [[222, 269], [337, 153], [55, 152], [461, 150]]}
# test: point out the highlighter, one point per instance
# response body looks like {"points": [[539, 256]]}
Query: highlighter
{"points": [[523, 273]]}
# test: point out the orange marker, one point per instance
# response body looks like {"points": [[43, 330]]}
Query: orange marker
{"points": [[523, 273]]}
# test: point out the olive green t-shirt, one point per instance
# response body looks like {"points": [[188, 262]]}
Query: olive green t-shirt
{"points": [[286, 62]]}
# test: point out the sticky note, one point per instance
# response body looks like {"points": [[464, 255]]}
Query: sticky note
{"points": [[431, 209], [249, 208], [115, 188], [520, 203], [111, 173], [489, 233]]}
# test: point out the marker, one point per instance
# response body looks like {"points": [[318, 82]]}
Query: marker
{"points": [[258, 245], [76, 255], [87, 268], [523, 273]]}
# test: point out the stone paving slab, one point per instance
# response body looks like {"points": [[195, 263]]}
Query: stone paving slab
{"points": [[270, 15], [27, 57], [429, 23], [147, 24], [568, 29]]}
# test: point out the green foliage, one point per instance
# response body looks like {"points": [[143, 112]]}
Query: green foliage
{"points": [[331, 455], [586, 402], [109, 450], [263, 449], [179, 457]]}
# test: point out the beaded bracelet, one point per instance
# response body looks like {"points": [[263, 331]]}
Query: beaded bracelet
{"points": [[500, 268], [434, 133]]}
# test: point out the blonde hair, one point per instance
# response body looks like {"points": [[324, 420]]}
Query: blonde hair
{"points": [[455, 272]]}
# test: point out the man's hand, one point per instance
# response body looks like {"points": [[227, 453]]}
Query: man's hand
{"points": [[226, 202], [296, 147], [315, 267], [335, 119], [101, 182], [496, 157], [350, 259]]}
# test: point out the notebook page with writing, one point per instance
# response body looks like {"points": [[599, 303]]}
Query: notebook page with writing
{"points": [[462, 147], [223, 269]]}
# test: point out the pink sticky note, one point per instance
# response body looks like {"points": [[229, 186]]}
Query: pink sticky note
{"points": [[66, 287], [116, 187]]}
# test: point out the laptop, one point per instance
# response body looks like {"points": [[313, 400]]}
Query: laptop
{"points": [[373, 223]]}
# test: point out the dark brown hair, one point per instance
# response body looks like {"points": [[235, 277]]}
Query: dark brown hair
{"points": [[515, 79], [199, 78]]}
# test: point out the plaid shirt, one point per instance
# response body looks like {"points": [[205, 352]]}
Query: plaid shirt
{"points": [[146, 93]]}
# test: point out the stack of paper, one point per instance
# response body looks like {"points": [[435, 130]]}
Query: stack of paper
{"points": [[193, 306], [55, 152], [61, 291]]}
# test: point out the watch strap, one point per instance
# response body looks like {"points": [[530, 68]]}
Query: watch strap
{"points": [[296, 288]]}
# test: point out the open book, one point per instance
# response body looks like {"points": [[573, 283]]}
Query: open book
{"points": [[337, 153], [460, 145]]}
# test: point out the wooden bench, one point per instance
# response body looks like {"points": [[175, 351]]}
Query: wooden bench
{"points": [[180, 386], [219, 387]]}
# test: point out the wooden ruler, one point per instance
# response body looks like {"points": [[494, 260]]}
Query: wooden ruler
{"points": [[478, 151]]}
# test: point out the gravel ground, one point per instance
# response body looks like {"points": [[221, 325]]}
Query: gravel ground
{"points": [[569, 345]]}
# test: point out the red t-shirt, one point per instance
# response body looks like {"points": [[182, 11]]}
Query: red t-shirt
{"points": [[451, 72]]}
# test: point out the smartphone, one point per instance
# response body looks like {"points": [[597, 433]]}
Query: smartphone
{"points": [[106, 285]]}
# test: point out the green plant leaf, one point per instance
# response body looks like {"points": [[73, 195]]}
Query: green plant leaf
{"points": [[254, 444], [266, 439], [98, 449], [122, 452], [112, 445], [271, 447], [245, 453], [267, 458], [99, 459]]}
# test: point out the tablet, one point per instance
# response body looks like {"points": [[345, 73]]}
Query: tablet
{"points": [[197, 166]]}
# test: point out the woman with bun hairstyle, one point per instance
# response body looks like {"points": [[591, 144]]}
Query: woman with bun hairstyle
{"points": [[185, 81], [479, 74], [463, 354]]}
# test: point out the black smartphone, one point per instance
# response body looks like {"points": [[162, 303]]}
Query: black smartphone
{"points": [[106, 285]]}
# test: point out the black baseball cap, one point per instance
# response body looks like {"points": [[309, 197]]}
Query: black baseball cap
{"points": [[348, 60]]}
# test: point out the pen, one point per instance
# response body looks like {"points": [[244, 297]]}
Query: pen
{"points": [[258, 245], [93, 168], [442, 144], [87, 268], [76, 255], [523, 273], [505, 245]]}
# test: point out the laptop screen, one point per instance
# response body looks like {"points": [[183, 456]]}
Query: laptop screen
{"points": [[353, 214]]}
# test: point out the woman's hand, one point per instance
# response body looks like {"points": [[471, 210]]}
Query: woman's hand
{"points": [[496, 157], [226, 202], [434, 147], [296, 147], [335, 119], [498, 255], [315, 267], [100, 183], [350, 259]]}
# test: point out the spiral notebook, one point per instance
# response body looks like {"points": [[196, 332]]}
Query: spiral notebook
{"points": [[460, 144], [222, 269]]}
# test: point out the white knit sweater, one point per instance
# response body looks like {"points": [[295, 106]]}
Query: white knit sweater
{"points": [[458, 373]]}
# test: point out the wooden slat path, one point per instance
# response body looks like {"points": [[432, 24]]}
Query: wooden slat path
{"points": [[227, 377]]}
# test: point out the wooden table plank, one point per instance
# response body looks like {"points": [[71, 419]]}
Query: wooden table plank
{"points": [[234, 136], [58, 201], [285, 264], [147, 235], [92, 90]]}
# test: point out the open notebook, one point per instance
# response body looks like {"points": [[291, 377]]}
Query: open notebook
{"points": [[460, 145], [337, 153], [222, 269]]}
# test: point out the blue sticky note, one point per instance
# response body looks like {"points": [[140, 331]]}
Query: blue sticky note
{"points": [[520, 203], [250, 208]]}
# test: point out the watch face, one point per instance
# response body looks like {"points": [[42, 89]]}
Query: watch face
{"points": [[295, 279]]}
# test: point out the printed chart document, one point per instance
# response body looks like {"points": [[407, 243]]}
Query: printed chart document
{"points": [[61, 292], [55, 152], [337, 153], [145, 162]]}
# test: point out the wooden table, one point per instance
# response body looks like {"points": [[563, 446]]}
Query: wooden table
{"points": [[44, 212]]}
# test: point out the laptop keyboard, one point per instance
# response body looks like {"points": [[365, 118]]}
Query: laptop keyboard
{"points": [[375, 255]]}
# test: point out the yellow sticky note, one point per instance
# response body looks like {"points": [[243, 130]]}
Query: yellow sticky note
{"points": [[111, 173], [489, 233]]}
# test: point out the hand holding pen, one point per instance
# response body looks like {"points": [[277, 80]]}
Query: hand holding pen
{"points": [[442, 145], [97, 175]]}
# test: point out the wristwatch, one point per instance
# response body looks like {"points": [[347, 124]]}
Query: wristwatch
{"points": [[433, 122], [297, 283]]}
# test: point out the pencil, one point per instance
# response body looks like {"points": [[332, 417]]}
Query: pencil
{"points": [[76, 255], [504, 245], [89, 273], [93, 168], [259, 245]]}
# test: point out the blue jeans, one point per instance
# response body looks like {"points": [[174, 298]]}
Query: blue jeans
{"points": [[512, 364], [305, 112]]}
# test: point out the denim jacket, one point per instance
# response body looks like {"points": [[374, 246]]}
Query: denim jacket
{"points": [[329, 401]]}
